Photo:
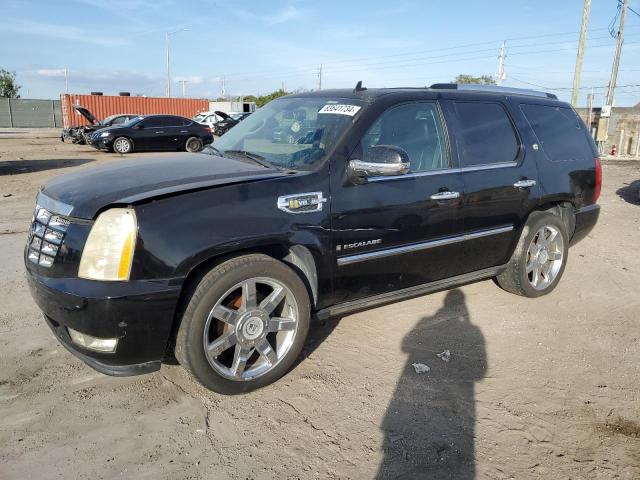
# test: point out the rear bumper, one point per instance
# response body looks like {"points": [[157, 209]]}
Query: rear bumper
{"points": [[586, 219], [139, 314]]}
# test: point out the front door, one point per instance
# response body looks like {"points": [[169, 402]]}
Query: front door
{"points": [[499, 175], [395, 232], [150, 136]]}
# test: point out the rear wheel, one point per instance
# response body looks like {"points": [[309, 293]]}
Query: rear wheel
{"points": [[538, 262], [193, 144], [122, 145], [245, 324]]}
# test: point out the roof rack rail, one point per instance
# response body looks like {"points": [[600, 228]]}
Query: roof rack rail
{"points": [[492, 89]]}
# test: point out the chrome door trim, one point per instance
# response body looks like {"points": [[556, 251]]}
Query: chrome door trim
{"points": [[414, 247], [442, 171]]}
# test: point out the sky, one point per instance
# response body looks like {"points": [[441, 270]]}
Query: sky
{"points": [[257, 46]]}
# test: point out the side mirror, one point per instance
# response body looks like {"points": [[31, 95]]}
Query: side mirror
{"points": [[379, 161], [139, 127]]}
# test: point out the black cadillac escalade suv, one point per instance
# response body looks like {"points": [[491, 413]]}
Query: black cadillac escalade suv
{"points": [[382, 194]]}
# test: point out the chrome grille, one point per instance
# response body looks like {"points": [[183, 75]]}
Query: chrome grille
{"points": [[47, 234]]}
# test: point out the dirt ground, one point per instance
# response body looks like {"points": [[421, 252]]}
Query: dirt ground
{"points": [[545, 388]]}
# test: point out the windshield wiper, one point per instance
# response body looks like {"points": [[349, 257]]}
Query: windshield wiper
{"points": [[259, 159], [217, 151]]}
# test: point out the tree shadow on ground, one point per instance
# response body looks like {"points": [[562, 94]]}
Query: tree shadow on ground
{"points": [[16, 167], [630, 192], [429, 427]]}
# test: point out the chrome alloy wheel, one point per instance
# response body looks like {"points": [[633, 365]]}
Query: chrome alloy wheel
{"points": [[544, 257], [250, 328], [122, 145]]}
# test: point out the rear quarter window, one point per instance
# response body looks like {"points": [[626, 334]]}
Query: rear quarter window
{"points": [[559, 132]]}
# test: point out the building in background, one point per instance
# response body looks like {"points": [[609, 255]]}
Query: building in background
{"points": [[622, 129]]}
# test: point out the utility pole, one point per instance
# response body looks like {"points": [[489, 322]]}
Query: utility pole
{"points": [[223, 90], [184, 82], [500, 76], [66, 80], [590, 107], [320, 78], [583, 38], [616, 60]]}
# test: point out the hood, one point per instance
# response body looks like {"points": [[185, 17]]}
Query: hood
{"points": [[132, 181], [85, 113], [222, 115]]}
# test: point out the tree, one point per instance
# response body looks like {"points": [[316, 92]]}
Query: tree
{"points": [[481, 80], [8, 86]]}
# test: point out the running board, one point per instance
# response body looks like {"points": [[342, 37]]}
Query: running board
{"points": [[406, 293]]}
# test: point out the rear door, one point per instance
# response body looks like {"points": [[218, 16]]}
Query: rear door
{"points": [[397, 232], [499, 175]]}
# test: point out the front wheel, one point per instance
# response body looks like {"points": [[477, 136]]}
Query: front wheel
{"points": [[244, 325], [122, 145], [538, 262]]}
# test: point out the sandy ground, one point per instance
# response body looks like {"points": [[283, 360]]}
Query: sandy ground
{"points": [[545, 388]]}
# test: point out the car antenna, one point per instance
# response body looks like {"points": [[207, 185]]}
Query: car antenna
{"points": [[359, 87]]}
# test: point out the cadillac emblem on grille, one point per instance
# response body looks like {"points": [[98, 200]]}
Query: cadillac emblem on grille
{"points": [[45, 239]]}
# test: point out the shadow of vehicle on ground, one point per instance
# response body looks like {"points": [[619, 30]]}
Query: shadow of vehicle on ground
{"points": [[16, 167], [630, 192], [430, 421]]}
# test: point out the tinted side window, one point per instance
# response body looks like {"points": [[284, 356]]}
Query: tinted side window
{"points": [[486, 134], [559, 132], [171, 121], [414, 127], [152, 122], [119, 120]]}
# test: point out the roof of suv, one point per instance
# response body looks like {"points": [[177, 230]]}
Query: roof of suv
{"points": [[372, 93]]}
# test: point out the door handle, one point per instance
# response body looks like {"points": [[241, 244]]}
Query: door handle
{"points": [[184, 131], [159, 131], [444, 196], [525, 184]]}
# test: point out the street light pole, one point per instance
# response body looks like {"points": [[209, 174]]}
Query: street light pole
{"points": [[168, 69], [167, 35]]}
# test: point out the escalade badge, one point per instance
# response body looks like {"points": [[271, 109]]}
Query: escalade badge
{"points": [[301, 202]]}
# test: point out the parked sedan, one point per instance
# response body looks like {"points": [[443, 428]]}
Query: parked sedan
{"points": [[153, 132], [228, 121]]}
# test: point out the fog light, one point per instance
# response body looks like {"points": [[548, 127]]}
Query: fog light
{"points": [[107, 345]]}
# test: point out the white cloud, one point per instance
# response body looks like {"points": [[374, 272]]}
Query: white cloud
{"points": [[62, 32], [50, 72], [286, 14]]}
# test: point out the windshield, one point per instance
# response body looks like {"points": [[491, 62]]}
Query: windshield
{"points": [[293, 132], [237, 116], [132, 122]]}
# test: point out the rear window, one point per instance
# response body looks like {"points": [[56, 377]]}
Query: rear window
{"points": [[487, 135], [559, 132]]}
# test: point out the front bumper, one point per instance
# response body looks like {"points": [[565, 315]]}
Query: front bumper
{"points": [[586, 219], [139, 313]]}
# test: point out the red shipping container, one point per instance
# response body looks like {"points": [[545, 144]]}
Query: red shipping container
{"points": [[104, 105]]}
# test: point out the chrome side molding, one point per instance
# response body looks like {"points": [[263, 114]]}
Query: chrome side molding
{"points": [[415, 247]]}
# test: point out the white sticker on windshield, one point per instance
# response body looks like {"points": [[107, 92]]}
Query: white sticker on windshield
{"points": [[340, 109]]}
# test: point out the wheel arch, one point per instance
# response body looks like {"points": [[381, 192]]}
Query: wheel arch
{"points": [[563, 209], [296, 256]]}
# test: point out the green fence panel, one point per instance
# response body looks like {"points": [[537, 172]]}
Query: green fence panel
{"points": [[5, 117]]}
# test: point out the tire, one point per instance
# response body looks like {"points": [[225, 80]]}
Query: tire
{"points": [[528, 258], [122, 145], [193, 144], [238, 363]]}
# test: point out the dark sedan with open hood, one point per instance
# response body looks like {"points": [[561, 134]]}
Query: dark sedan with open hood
{"points": [[81, 134]]}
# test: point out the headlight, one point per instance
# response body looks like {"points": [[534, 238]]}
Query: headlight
{"points": [[108, 253], [105, 134]]}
